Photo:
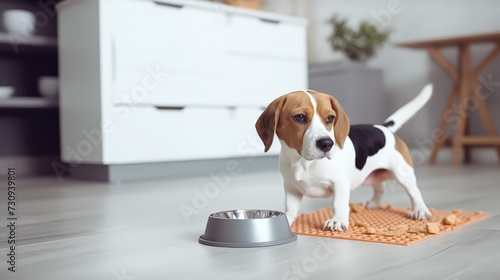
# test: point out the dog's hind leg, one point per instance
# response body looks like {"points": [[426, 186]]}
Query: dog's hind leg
{"points": [[377, 180], [405, 176], [378, 191]]}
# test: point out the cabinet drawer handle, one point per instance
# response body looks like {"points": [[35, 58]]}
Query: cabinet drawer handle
{"points": [[172, 5], [172, 108], [273, 21]]}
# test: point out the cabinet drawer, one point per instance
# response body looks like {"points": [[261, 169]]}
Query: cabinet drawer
{"points": [[149, 134], [249, 81], [183, 55]]}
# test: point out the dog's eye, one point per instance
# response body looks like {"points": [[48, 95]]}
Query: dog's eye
{"points": [[300, 118], [330, 119]]}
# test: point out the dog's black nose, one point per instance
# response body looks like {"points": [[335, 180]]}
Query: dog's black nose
{"points": [[324, 144]]}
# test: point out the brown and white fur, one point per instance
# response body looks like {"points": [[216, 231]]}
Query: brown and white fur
{"points": [[318, 158]]}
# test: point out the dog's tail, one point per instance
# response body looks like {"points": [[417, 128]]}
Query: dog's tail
{"points": [[401, 116]]}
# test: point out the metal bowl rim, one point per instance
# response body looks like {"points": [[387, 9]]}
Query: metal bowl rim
{"points": [[219, 218]]}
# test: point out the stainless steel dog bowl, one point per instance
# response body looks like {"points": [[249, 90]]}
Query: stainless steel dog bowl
{"points": [[247, 228]]}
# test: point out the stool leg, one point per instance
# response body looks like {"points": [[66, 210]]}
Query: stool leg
{"points": [[485, 115], [462, 107], [441, 135]]}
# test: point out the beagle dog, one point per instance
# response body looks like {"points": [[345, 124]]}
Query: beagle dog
{"points": [[322, 155]]}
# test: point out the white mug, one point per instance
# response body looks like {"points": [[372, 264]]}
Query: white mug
{"points": [[48, 86], [19, 22]]}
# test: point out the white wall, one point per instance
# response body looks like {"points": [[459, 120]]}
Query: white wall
{"points": [[406, 71]]}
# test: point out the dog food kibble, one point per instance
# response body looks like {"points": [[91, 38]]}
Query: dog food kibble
{"points": [[417, 229], [450, 219], [371, 230], [432, 228], [360, 224], [357, 208]]}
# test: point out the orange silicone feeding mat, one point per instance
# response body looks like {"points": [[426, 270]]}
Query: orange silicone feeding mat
{"points": [[384, 220]]}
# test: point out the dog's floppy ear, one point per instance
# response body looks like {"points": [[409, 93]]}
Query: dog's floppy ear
{"points": [[341, 125], [267, 122]]}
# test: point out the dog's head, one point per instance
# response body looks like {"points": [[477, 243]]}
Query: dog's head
{"points": [[309, 122]]}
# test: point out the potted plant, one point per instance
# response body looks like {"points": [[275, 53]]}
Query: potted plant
{"points": [[358, 88], [357, 44]]}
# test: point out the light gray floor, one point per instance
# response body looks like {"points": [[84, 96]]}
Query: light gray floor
{"points": [[84, 230]]}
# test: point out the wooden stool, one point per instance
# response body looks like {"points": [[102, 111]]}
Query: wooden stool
{"points": [[465, 89]]}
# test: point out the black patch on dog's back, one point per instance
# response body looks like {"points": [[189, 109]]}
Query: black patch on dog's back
{"points": [[367, 141]]}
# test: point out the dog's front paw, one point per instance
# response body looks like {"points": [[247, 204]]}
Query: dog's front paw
{"points": [[420, 213], [336, 224], [290, 217]]}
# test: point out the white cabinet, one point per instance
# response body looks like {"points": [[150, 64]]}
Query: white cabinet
{"points": [[171, 80]]}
